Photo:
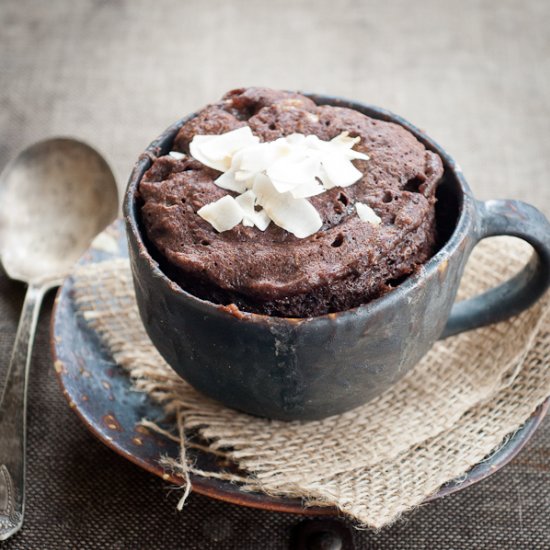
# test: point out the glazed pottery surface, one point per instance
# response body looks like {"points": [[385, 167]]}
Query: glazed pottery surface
{"points": [[290, 368]]}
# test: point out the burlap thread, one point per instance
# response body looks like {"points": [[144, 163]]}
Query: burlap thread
{"points": [[375, 462]]}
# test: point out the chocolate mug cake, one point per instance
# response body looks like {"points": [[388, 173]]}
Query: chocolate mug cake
{"points": [[265, 268], [290, 259]]}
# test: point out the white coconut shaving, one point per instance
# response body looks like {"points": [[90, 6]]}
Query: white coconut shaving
{"points": [[279, 176], [223, 214], [252, 217], [176, 155], [367, 214], [216, 151], [297, 216]]}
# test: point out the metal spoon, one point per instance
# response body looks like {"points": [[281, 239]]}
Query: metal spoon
{"points": [[54, 198]]}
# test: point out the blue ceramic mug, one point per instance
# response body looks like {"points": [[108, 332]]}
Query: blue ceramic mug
{"points": [[289, 368]]}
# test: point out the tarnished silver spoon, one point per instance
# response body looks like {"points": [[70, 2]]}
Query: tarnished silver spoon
{"points": [[54, 198]]}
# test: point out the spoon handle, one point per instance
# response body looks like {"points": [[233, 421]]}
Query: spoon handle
{"points": [[13, 406]]}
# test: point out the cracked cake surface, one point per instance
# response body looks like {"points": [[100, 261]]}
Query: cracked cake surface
{"points": [[346, 263]]}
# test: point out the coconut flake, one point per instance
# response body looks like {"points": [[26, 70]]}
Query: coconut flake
{"points": [[297, 216], [246, 202], [258, 158], [176, 155], [228, 181], [293, 171], [223, 214], [367, 214], [282, 174], [346, 143], [339, 171], [309, 189], [262, 220], [224, 145], [216, 151], [195, 148], [235, 179], [251, 216]]}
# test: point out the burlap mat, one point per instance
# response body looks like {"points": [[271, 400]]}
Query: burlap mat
{"points": [[375, 462]]}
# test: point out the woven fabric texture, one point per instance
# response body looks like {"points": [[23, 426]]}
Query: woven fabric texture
{"points": [[380, 459]]}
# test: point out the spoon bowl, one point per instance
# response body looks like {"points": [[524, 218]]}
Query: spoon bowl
{"points": [[54, 198]]}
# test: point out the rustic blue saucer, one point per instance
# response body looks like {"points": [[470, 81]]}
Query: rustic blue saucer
{"points": [[101, 395]]}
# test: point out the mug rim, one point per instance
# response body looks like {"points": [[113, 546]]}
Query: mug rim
{"points": [[159, 147]]}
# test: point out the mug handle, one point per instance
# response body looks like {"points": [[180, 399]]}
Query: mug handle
{"points": [[516, 218]]}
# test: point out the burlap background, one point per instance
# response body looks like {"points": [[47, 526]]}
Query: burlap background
{"points": [[474, 74]]}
